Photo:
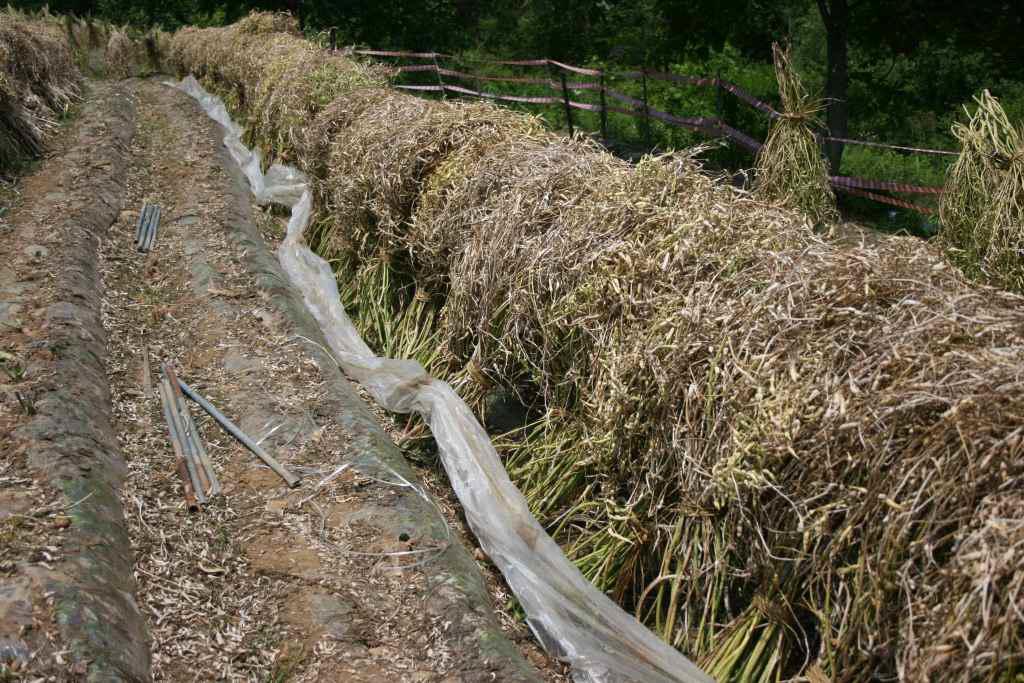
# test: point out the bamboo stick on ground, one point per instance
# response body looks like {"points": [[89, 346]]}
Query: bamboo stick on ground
{"points": [[182, 465], [147, 375], [191, 462], [193, 438], [142, 242]]}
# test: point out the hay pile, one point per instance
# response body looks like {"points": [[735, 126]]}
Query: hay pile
{"points": [[983, 206], [271, 78], [790, 167], [121, 55], [87, 39], [784, 455], [86, 34], [38, 82]]}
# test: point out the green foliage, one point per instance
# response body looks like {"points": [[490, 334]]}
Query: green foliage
{"points": [[912, 64]]}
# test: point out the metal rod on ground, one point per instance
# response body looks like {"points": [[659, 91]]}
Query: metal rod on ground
{"points": [[233, 429], [146, 226], [199, 449], [154, 217], [153, 230], [142, 221], [179, 437], [186, 481], [568, 109]]}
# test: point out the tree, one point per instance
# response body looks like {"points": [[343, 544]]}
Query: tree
{"points": [[835, 15]]}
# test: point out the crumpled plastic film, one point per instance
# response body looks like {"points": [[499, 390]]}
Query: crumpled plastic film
{"points": [[574, 621]]}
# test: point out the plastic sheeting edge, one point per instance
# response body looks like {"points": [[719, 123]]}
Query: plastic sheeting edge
{"points": [[573, 620]]}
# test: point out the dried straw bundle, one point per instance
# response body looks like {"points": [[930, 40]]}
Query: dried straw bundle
{"points": [[781, 453], [120, 55], [742, 425], [295, 86], [275, 81], [97, 33], [257, 23], [983, 205], [70, 32], [38, 82], [790, 168], [392, 144], [88, 42]]}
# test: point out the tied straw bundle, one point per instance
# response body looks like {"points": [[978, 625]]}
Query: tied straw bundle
{"points": [[790, 168], [983, 206], [120, 54]]}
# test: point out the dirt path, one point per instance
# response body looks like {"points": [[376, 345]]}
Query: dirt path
{"points": [[360, 574], [360, 579]]}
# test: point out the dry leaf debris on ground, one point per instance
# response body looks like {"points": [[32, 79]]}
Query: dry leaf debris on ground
{"points": [[32, 521], [264, 580], [65, 584]]}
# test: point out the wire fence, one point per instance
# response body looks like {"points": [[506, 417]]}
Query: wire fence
{"points": [[563, 81]]}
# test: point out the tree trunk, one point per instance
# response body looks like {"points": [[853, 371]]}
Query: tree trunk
{"points": [[835, 15]]}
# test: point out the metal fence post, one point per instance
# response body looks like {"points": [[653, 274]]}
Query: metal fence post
{"points": [[565, 98], [333, 33], [604, 110], [719, 97], [440, 81], [647, 114]]}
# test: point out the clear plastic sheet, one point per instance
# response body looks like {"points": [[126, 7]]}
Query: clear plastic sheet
{"points": [[573, 620]]}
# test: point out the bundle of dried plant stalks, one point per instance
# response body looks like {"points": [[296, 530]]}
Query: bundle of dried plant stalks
{"points": [[782, 454], [790, 167], [38, 82], [42, 59], [122, 54], [983, 205]]}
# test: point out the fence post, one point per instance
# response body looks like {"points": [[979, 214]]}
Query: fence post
{"points": [[440, 81], [604, 110], [333, 33], [565, 98], [647, 115], [719, 97]]}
